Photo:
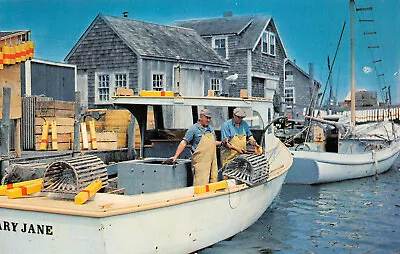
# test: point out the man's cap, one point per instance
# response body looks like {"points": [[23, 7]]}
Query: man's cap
{"points": [[239, 112], [205, 112]]}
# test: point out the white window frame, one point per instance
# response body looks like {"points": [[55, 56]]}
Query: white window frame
{"points": [[214, 46], [101, 87], [267, 43], [112, 86], [120, 83], [272, 42], [215, 84], [293, 97], [289, 77], [163, 81], [264, 40]]}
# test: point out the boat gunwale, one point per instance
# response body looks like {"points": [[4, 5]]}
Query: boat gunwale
{"points": [[332, 160], [108, 212]]}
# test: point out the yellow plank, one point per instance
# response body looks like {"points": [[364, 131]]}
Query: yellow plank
{"points": [[85, 142], [45, 136], [93, 135], [210, 187], [88, 192], [54, 143], [4, 188], [156, 93], [24, 190]]}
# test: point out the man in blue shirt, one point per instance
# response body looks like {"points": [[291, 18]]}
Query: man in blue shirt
{"points": [[234, 133], [201, 136]]}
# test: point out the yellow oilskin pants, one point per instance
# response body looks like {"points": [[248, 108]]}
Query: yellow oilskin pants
{"points": [[204, 161], [228, 154]]}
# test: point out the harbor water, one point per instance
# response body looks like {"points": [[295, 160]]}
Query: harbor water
{"points": [[356, 216]]}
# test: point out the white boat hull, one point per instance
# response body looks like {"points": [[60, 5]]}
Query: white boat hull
{"points": [[174, 221], [311, 167], [182, 228]]}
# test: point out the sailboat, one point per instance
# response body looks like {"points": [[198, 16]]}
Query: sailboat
{"points": [[361, 150]]}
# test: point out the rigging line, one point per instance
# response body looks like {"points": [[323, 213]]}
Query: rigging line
{"points": [[374, 28], [374, 65], [333, 63], [326, 84]]}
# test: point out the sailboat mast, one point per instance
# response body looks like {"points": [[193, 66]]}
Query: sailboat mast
{"points": [[352, 65]]}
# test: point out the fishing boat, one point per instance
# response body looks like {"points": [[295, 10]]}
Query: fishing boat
{"points": [[159, 219], [356, 151]]}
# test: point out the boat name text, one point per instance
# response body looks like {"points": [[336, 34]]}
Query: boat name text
{"points": [[27, 228]]}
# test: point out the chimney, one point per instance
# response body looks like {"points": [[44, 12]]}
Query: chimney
{"points": [[125, 13], [294, 61], [227, 14]]}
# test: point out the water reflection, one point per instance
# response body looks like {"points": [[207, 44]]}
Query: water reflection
{"points": [[359, 216]]}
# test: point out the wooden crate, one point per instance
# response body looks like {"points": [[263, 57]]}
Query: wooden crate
{"points": [[244, 93], [54, 109], [61, 121], [107, 140]]}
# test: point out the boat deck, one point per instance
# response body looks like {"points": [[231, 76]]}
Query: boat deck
{"points": [[104, 205]]}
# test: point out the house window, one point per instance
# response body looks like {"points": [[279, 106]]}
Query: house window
{"points": [[220, 45], [268, 43], [264, 42], [272, 43], [288, 75], [158, 82], [103, 87], [120, 80], [107, 84], [289, 96], [215, 84]]}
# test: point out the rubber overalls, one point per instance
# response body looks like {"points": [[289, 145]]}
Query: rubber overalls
{"points": [[228, 154], [204, 161]]}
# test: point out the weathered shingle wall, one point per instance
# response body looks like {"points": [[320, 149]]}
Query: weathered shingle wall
{"points": [[238, 61], [303, 92], [103, 50], [268, 64]]}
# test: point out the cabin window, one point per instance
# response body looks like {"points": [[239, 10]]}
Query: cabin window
{"points": [[268, 43], [220, 45], [103, 87], [120, 80], [289, 96], [215, 84], [158, 82], [288, 75]]}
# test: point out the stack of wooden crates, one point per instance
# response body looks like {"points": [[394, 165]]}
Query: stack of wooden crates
{"points": [[111, 127], [62, 112]]}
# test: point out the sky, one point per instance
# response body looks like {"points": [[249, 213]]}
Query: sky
{"points": [[309, 29]]}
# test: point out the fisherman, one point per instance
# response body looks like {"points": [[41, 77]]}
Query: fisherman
{"points": [[202, 137], [233, 135]]}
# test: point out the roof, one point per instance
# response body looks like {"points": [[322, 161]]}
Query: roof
{"points": [[159, 41], [218, 26], [287, 61], [7, 34], [250, 27]]}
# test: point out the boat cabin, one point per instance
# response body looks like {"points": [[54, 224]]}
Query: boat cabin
{"points": [[161, 142]]}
